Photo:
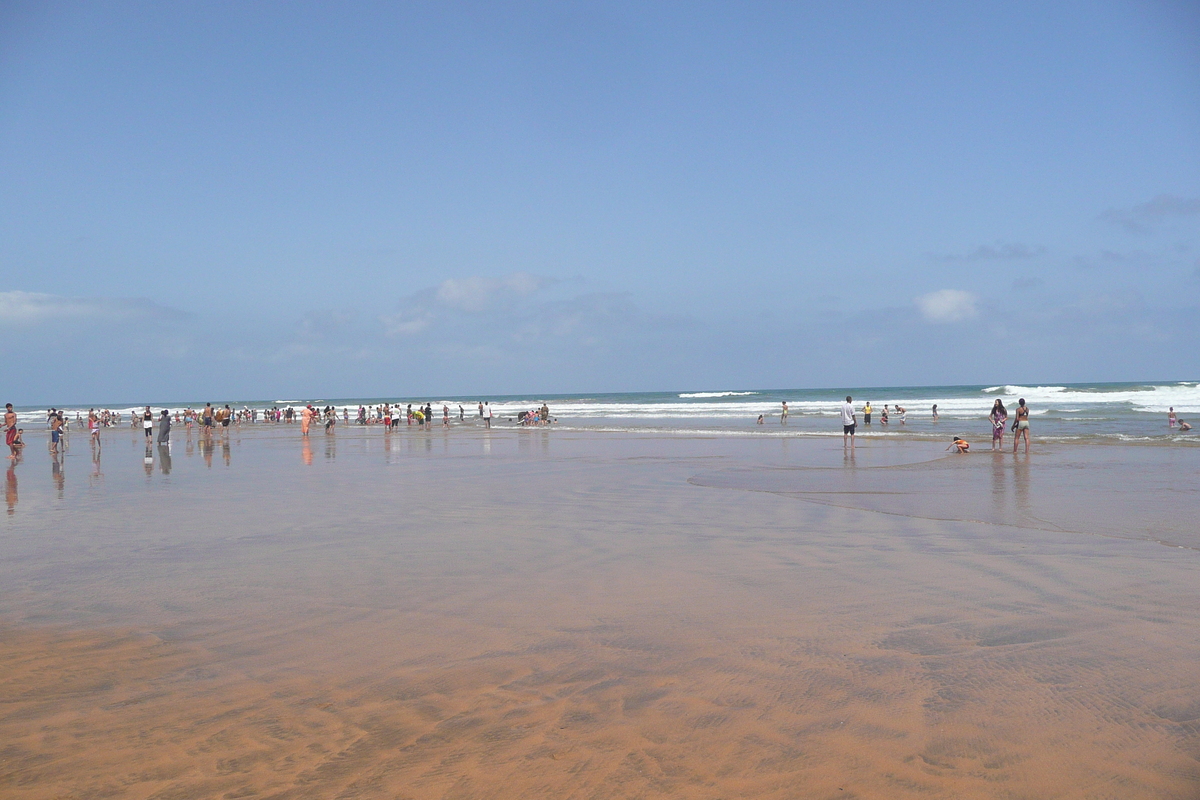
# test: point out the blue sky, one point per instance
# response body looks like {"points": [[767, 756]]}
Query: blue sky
{"points": [[269, 199]]}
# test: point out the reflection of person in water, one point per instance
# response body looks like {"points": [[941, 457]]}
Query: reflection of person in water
{"points": [[10, 489], [56, 474], [164, 459]]}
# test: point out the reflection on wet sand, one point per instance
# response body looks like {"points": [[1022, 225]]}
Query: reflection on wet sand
{"points": [[578, 617], [56, 475], [10, 489], [1123, 492]]}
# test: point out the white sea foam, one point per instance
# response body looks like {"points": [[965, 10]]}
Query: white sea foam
{"points": [[716, 394], [1151, 398]]}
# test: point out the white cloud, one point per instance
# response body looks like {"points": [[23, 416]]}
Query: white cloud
{"points": [[23, 309], [459, 300], [406, 323], [476, 293], [947, 305]]}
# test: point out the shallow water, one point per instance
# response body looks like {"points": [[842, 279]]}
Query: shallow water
{"points": [[542, 613]]}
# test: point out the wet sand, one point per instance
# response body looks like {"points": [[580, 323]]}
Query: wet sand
{"points": [[531, 614]]}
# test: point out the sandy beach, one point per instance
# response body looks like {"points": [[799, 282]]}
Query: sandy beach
{"points": [[537, 613]]}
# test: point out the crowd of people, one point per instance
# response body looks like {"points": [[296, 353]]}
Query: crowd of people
{"points": [[157, 426], [998, 416]]}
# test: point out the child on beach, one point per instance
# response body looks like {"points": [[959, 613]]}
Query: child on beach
{"points": [[959, 445]]}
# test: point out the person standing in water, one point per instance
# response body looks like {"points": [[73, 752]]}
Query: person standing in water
{"points": [[305, 420], [935, 414], [998, 416], [56, 430], [487, 415], [1021, 425], [164, 427], [849, 423], [10, 430], [783, 414], [867, 413], [1171, 418]]}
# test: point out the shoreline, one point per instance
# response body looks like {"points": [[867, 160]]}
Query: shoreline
{"points": [[517, 615]]}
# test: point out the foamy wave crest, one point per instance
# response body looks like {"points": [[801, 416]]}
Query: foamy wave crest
{"points": [[1184, 397], [716, 394]]}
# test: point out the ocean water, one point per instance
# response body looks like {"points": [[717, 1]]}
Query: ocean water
{"points": [[1102, 412]]}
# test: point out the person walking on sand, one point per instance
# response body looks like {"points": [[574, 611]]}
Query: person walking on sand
{"points": [[305, 420], [998, 416], [164, 427], [148, 423], [10, 430], [1021, 426], [848, 422]]}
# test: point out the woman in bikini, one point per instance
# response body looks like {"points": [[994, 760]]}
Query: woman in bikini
{"points": [[1021, 425]]}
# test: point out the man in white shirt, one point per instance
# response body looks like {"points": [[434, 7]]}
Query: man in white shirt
{"points": [[487, 415], [848, 422]]}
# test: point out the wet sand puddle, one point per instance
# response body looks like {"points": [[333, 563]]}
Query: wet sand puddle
{"points": [[579, 622]]}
